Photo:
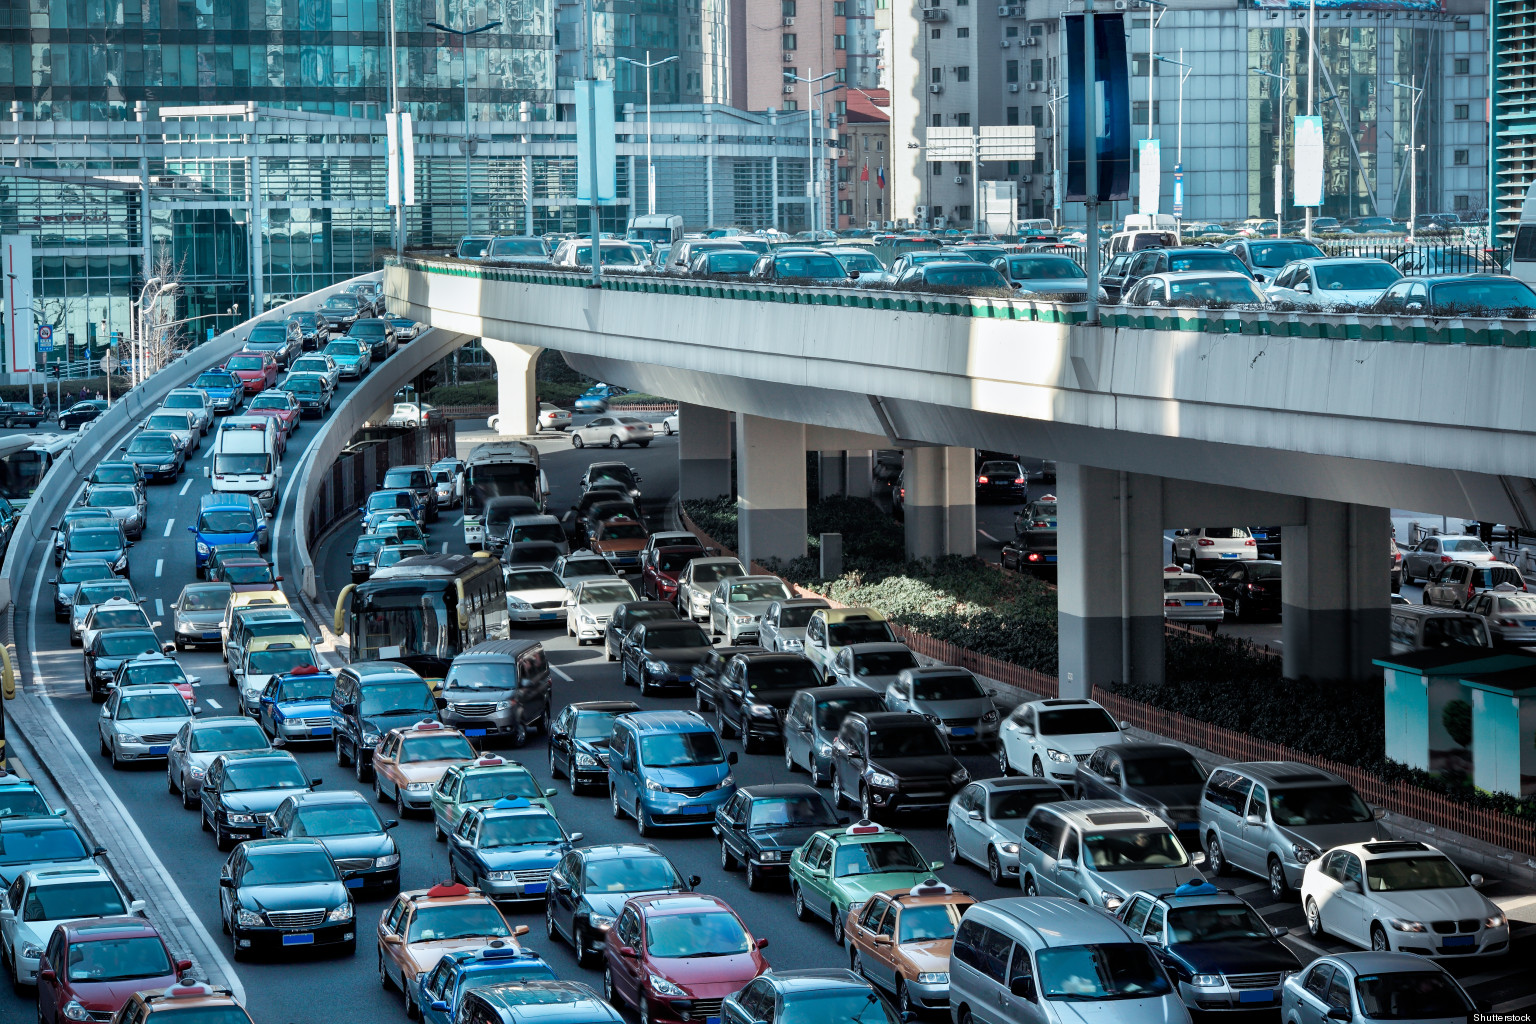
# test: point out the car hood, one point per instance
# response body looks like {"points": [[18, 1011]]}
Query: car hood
{"points": [[860, 888], [307, 707], [425, 771], [1047, 285], [609, 904], [1433, 904], [1081, 743], [915, 767], [782, 837], [971, 707], [149, 458], [679, 655], [348, 360], [249, 374], [1235, 956], [619, 544], [931, 956], [1174, 798], [694, 775], [712, 976], [373, 844], [103, 996], [260, 801], [599, 607], [1153, 879], [752, 608], [145, 725], [1167, 1009], [426, 954], [523, 858], [545, 594], [10, 872], [200, 617], [1325, 837], [308, 896]]}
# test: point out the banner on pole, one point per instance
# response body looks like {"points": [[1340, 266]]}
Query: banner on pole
{"points": [[1111, 109], [1178, 190], [408, 157], [594, 122], [1308, 171], [18, 327], [392, 147], [1151, 174]]}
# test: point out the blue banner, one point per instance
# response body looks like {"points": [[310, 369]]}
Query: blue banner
{"points": [[1111, 95]]}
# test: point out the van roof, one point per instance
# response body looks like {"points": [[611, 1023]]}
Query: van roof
{"points": [[851, 614], [1284, 773], [1053, 921], [226, 499], [496, 650], [665, 721], [1104, 815]]}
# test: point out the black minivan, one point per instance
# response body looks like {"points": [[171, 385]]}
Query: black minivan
{"points": [[498, 688]]}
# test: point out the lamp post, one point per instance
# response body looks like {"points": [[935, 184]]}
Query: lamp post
{"points": [[810, 136], [150, 294], [469, 145], [1279, 149], [650, 169], [1184, 70], [1417, 93]]}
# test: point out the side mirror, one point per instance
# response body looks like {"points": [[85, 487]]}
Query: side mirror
{"points": [[393, 940], [1476, 880], [936, 865], [1304, 288], [1279, 932], [47, 975], [577, 837], [976, 816], [1352, 886], [316, 783], [1023, 987], [732, 757], [53, 581], [226, 882], [1254, 819], [439, 1006], [628, 952], [1066, 864], [694, 881], [1027, 730], [183, 966], [1340, 1013], [882, 940]]}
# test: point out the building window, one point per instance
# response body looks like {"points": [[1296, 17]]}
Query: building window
{"points": [[841, 76], [938, 169], [1037, 70], [1013, 167], [791, 104], [789, 8], [1011, 71], [1139, 67], [1012, 116], [840, 108], [1463, 65], [962, 214], [1461, 203], [963, 120], [1037, 116], [962, 33], [845, 207], [839, 42], [1141, 23], [935, 33], [879, 145], [839, 9], [1038, 29], [1139, 112], [938, 211], [1459, 158], [936, 75], [866, 143], [791, 41], [1461, 112], [963, 73], [1012, 31], [936, 120]]}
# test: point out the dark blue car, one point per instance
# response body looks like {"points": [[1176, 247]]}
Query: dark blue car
{"points": [[224, 389], [596, 397], [508, 849], [440, 990], [296, 706]]}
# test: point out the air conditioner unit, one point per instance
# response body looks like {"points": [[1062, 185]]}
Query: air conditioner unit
{"points": [[1002, 11], [1033, 86], [1024, 179], [1034, 40], [936, 88], [1122, 5], [789, 90], [789, 22], [935, 14], [1013, 86], [959, 179], [1005, 43], [789, 56]]}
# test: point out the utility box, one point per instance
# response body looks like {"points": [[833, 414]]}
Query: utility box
{"points": [[831, 555]]}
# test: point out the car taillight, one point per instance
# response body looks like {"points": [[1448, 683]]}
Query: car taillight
{"points": [[1170, 602], [1505, 622], [1034, 556], [1039, 524], [1446, 558], [1215, 603], [981, 479], [1397, 556], [1254, 588], [1018, 479], [1249, 543], [1205, 542]]}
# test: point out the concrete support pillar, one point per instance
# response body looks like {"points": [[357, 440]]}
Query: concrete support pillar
{"points": [[517, 397], [703, 451], [860, 468], [1109, 578], [833, 475], [1335, 591], [770, 483], [940, 504]]}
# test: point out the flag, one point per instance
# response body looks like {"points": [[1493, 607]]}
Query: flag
{"points": [[864, 174], [880, 176]]}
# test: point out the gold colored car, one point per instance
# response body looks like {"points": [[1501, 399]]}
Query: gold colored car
{"points": [[421, 925], [188, 1001], [409, 761], [900, 940]]}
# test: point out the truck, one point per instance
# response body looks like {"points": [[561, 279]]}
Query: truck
{"points": [[246, 459], [499, 469]]}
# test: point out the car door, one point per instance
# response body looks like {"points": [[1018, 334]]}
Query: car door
{"points": [[461, 846], [1349, 913], [565, 892], [733, 825], [719, 608], [862, 930], [622, 767], [53, 960], [898, 695], [1020, 996], [1253, 833], [14, 897], [1221, 810], [626, 969], [883, 954], [1091, 784], [1044, 835], [817, 888], [266, 713], [842, 668], [848, 758], [1312, 1004], [797, 729]]}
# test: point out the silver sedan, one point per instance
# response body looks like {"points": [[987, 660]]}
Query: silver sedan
{"points": [[126, 502], [613, 431], [140, 723], [986, 821], [196, 745], [1511, 615]]}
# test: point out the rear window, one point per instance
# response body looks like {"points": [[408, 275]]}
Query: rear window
{"points": [[1488, 577]]}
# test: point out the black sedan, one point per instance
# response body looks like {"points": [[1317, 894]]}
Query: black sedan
{"points": [[1250, 590], [280, 893], [310, 392], [20, 414], [1002, 481], [346, 825], [663, 653], [157, 453], [242, 789], [109, 649], [754, 693], [1162, 778], [588, 890], [761, 826], [71, 574], [81, 413], [578, 741]]}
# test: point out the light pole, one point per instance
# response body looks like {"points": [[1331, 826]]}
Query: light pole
{"points": [[650, 169], [469, 144], [1413, 153], [1178, 164], [810, 136], [1279, 149], [141, 308]]}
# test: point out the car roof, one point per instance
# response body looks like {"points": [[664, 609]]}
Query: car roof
{"points": [[498, 650], [619, 851], [821, 693], [104, 928], [1374, 962], [1000, 784], [63, 876], [1283, 773], [1105, 815], [814, 978], [605, 705], [381, 670], [851, 614], [1131, 750], [1064, 702], [1388, 850], [666, 721], [1055, 921], [678, 903], [255, 755]]}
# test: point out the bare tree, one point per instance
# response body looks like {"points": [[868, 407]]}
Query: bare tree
{"points": [[164, 339]]}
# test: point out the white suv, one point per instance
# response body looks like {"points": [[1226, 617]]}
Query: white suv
{"points": [[1049, 738], [1211, 544]]}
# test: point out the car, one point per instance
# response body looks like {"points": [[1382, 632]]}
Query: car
{"points": [[591, 604], [225, 391], [221, 553], [1429, 556], [409, 761], [799, 266], [159, 453], [405, 329], [473, 247], [158, 669], [619, 539], [1265, 257], [196, 613], [873, 666], [283, 339], [580, 566], [783, 623], [985, 822], [256, 371], [278, 894], [761, 826], [310, 391], [113, 613], [81, 413], [580, 514], [900, 940], [363, 550], [474, 786], [753, 694], [1189, 599], [246, 626], [263, 659], [198, 743], [1510, 614], [840, 868], [666, 769], [723, 263], [244, 575], [832, 629], [596, 397], [816, 994], [1034, 530], [611, 476], [1098, 852], [1273, 818], [612, 431], [1465, 294], [109, 648], [812, 723], [194, 401], [516, 249], [28, 844], [617, 255], [1459, 582], [1203, 259], [1203, 288], [70, 576], [317, 364], [1204, 547], [390, 554], [967, 276], [314, 330], [412, 414], [671, 424], [353, 359], [1162, 778], [347, 827], [590, 886], [19, 798], [341, 312], [1044, 275], [1048, 738], [42, 899], [88, 595], [377, 334], [382, 503], [448, 482], [486, 972], [1357, 988], [421, 925], [241, 789], [24, 414], [578, 742], [78, 514], [736, 605], [1439, 260], [1333, 282], [1248, 590], [89, 969], [498, 688], [534, 594], [950, 696], [884, 762], [667, 952], [115, 471], [1401, 896], [283, 406], [629, 615], [663, 653], [295, 706], [507, 849], [418, 480], [1001, 481], [542, 530]]}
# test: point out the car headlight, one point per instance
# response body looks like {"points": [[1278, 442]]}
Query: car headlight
{"points": [[933, 978], [771, 856], [240, 819], [1304, 855], [31, 952], [1059, 755], [264, 495], [882, 780], [1404, 925], [659, 667], [791, 644], [960, 777], [1496, 921], [662, 986], [654, 786], [602, 922], [586, 761], [389, 860], [370, 738], [74, 1011], [419, 787], [517, 602], [990, 716], [1207, 981], [1111, 901], [760, 710], [1009, 848], [121, 563], [588, 619], [248, 918], [501, 876], [823, 746], [341, 913], [128, 735], [727, 782], [195, 772], [741, 620]]}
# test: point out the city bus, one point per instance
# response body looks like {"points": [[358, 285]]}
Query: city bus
{"points": [[499, 469], [24, 460], [423, 611]]}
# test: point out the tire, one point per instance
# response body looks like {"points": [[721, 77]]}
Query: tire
{"points": [[1379, 939], [1030, 888], [117, 765], [749, 745], [1036, 768], [342, 760], [613, 798], [643, 824], [817, 779], [187, 801], [789, 761], [550, 930], [802, 912], [1279, 888], [994, 867], [644, 1011], [577, 442], [699, 703], [644, 682], [954, 847], [728, 861], [614, 442], [583, 957], [437, 831], [223, 842], [1215, 856], [838, 797], [1314, 920], [608, 993], [385, 981], [360, 771], [645, 444], [904, 1007], [667, 428], [1004, 768], [400, 808], [754, 877], [721, 725], [866, 804], [554, 772], [838, 917], [1237, 609]]}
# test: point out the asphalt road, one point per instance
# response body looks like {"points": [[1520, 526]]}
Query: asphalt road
{"points": [[285, 989]]}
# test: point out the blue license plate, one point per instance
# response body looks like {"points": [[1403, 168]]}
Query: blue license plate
{"points": [[963, 730], [1460, 940], [354, 883], [534, 887], [685, 679], [1259, 995], [1194, 604], [711, 1020], [474, 732], [1229, 554], [211, 636], [304, 939], [159, 751], [1050, 558], [1188, 826], [549, 615], [1261, 536], [695, 809], [320, 730]]}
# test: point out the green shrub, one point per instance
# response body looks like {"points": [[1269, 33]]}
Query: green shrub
{"points": [[480, 392], [715, 516], [1456, 716]]}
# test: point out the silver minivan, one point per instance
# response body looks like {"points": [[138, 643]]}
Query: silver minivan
{"points": [[1270, 818], [1099, 852], [1054, 961], [1416, 627]]}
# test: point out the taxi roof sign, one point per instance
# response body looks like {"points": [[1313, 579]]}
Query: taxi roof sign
{"points": [[489, 761], [441, 890], [511, 803], [427, 725], [865, 827], [930, 887]]}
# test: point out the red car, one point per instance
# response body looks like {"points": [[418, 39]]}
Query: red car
{"points": [[89, 969], [675, 956], [659, 581], [281, 406], [256, 370]]}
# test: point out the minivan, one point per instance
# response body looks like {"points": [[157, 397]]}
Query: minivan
{"points": [[1100, 851], [369, 699], [1270, 818], [1054, 961], [498, 688], [1415, 627], [226, 518], [666, 768]]}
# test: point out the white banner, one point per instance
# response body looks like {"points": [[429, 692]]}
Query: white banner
{"points": [[594, 122], [1151, 174], [1309, 161], [16, 280], [408, 157], [392, 143]]}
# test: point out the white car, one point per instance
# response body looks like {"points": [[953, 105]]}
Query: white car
{"points": [[180, 422], [534, 594], [582, 565], [669, 425], [138, 723], [195, 401], [318, 363], [43, 899], [613, 431], [857, 259], [591, 605], [1333, 281], [1188, 598], [1049, 738], [697, 583], [552, 417], [1404, 897], [410, 414], [113, 613], [1214, 544]]}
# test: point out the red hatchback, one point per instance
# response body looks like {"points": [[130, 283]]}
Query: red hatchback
{"points": [[90, 969], [256, 370], [281, 406], [676, 956], [659, 581]]}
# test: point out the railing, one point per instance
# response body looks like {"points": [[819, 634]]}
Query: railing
{"points": [[349, 480]]}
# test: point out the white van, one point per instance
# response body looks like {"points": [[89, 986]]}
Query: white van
{"points": [[661, 228], [246, 459]]}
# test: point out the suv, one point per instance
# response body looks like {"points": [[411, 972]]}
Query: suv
{"points": [[418, 480], [1098, 852], [889, 760], [1272, 818], [1206, 546], [667, 768], [754, 692], [227, 517], [1459, 582], [369, 699], [737, 605], [832, 629], [499, 687]]}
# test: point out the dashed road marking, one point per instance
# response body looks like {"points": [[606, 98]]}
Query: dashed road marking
{"points": [[445, 547], [561, 674], [159, 606], [213, 704], [186, 487], [159, 567], [170, 523]]}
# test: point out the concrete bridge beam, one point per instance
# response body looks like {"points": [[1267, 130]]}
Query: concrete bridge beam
{"points": [[703, 451], [770, 483], [1336, 591], [517, 405], [940, 503]]}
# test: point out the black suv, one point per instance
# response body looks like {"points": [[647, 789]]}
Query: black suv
{"points": [[761, 826], [664, 653], [578, 741], [626, 617], [369, 699], [754, 692], [1162, 778], [893, 761]]}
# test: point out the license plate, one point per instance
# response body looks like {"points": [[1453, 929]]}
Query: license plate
{"points": [[685, 679], [1229, 554], [354, 883], [534, 887], [474, 732], [1261, 536], [320, 730], [1460, 940], [711, 1020], [695, 809], [1050, 558], [214, 635], [549, 615], [1259, 995], [159, 751], [963, 730], [1194, 604], [1188, 826], [301, 939]]}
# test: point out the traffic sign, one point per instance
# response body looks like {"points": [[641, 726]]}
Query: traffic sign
{"points": [[110, 362], [44, 332]]}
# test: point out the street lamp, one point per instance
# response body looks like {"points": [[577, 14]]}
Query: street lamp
{"points": [[650, 170], [1178, 165], [469, 145], [154, 289], [1413, 153], [1279, 149], [810, 136]]}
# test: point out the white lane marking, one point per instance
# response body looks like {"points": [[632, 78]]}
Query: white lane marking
{"points": [[213, 704], [237, 988], [168, 524], [445, 547], [186, 486], [1509, 903], [159, 606], [1519, 1003], [159, 567], [1309, 944], [989, 537], [561, 674], [209, 451], [459, 521]]}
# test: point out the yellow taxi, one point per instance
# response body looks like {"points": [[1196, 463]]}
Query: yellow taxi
{"points": [[195, 1004], [900, 941], [409, 761], [249, 599], [422, 925]]}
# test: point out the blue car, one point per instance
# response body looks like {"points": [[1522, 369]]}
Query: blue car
{"points": [[508, 849], [595, 398], [440, 990], [353, 358], [226, 518], [383, 504], [666, 769], [296, 706], [225, 390]]}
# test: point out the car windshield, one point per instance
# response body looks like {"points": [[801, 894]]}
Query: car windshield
{"points": [[710, 572], [395, 698], [1402, 874], [269, 333], [115, 473], [395, 552], [217, 380], [1183, 585], [436, 747], [594, 725], [520, 830], [863, 262], [23, 803], [1278, 254], [680, 749], [1317, 805], [1214, 260], [1216, 923], [551, 532], [603, 593], [242, 736], [309, 364], [457, 921], [946, 687], [345, 820], [274, 774], [112, 497], [757, 590], [418, 478], [21, 846], [1465, 546], [906, 741], [1523, 604], [304, 385], [705, 933], [344, 303], [381, 501], [1075, 721], [146, 444], [343, 348], [1411, 995], [616, 531], [271, 663], [237, 573], [613, 255], [846, 1004], [76, 899], [367, 544], [809, 265], [730, 262], [270, 400], [306, 687], [1045, 268], [288, 867], [876, 858], [236, 463], [117, 618], [1482, 294], [930, 923], [517, 247], [631, 874], [83, 572], [1173, 769], [780, 676], [963, 277], [168, 672], [98, 591], [1343, 277], [232, 521], [859, 631], [509, 782], [675, 561], [1134, 849], [883, 663], [1009, 804], [106, 960], [798, 809], [687, 636], [1120, 970], [830, 713], [121, 645], [245, 363], [1213, 289]]}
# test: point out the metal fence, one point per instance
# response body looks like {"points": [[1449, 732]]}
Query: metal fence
{"points": [[1439, 257], [360, 470]]}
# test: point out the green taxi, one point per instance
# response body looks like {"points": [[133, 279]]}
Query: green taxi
{"points": [[838, 870], [480, 784]]}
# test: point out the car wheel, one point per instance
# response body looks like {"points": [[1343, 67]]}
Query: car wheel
{"points": [[112, 755], [189, 801], [581, 942], [1279, 888], [400, 808], [550, 930], [727, 861], [954, 847], [223, 842], [608, 993], [994, 867], [520, 732], [837, 924], [645, 1011], [644, 682], [1030, 888], [866, 805], [721, 725], [817, 779], [361, 771], [577, 442], [838, 799], [1004, 767], [554, 772], [643, 824], [1237, 609], [1315, 920], [1036, 768], [856, 963], [1379, 939], [749, 744], [614, 442], [1215, 856], [802, 912], [613, 798], [385, 981], [904, 1007], [342, 760], [789, 761], [754, 877], [699, 703], [667, 427]]}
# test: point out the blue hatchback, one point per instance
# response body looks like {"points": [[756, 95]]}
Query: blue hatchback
{"points": [[439, 991], [225, 391], [226, 518], [296, 706], [666, 768], [595, 398]]}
